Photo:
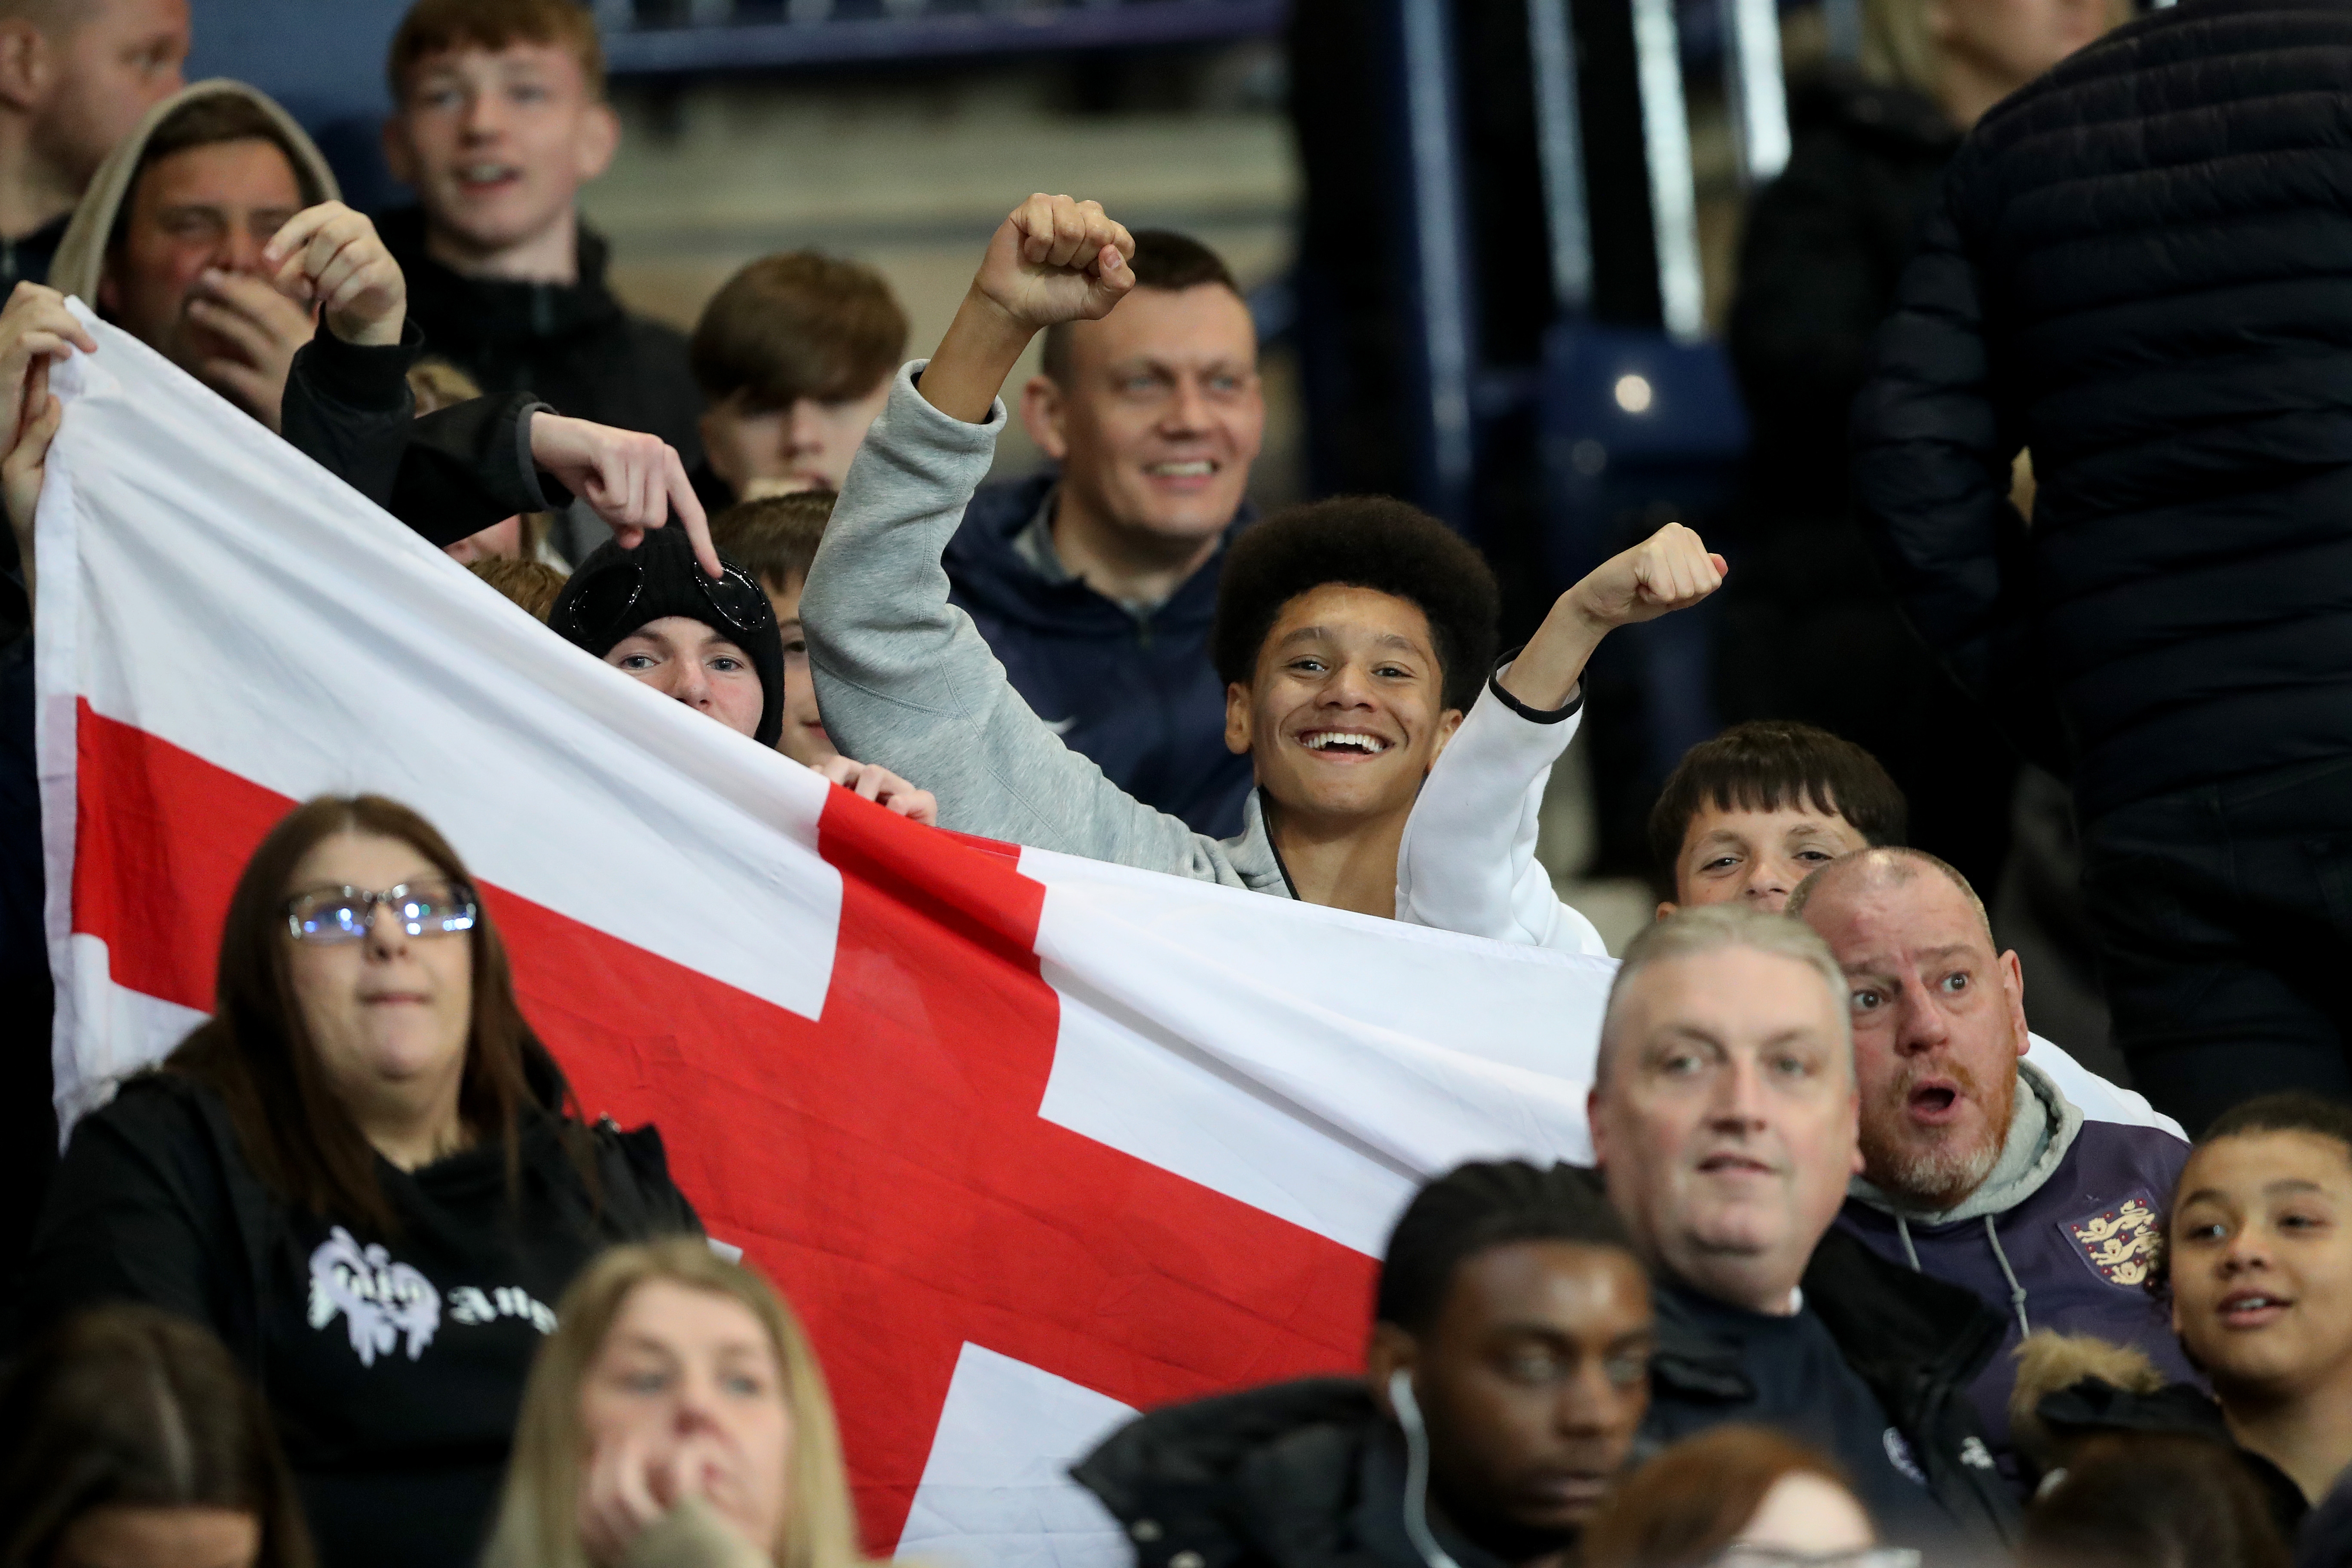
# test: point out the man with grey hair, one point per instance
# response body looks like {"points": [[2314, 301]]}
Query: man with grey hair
{"points": [[1723, 1117], [1976, 1168]]}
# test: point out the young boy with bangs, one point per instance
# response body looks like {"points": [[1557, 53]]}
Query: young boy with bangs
{"points": [[1352, 635], [1743, 818], [794, 356], [498, 118], [1748, 815]]}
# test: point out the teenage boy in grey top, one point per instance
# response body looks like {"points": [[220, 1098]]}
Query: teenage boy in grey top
{"points": [[1352, 635]]}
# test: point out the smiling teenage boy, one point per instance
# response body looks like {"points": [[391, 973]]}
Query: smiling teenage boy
{"points": [[498, 118], [1350, 634]]}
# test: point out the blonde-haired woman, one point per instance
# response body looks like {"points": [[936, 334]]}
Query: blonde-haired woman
{"points": [[676, 1418]]}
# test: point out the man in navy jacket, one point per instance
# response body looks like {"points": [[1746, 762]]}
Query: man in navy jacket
{"points": [[1976, 1167], [1095, 584]]}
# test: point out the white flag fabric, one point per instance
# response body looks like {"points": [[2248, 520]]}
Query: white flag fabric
{"points": [[1030, 1141]]}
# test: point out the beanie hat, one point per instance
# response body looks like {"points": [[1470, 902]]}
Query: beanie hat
{"points": [[617, 591]]}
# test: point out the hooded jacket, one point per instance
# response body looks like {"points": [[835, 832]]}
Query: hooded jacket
{"points": [[1297, 1475], [393, 1366], [82, 253], [2059, 1236], [346, 406], [1134, 690]]}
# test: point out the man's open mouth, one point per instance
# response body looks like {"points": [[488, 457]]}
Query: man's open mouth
{"points": [[1934, 1103], [1185, 469]]}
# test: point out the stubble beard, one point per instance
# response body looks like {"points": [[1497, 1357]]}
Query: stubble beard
{"points": [[1933, 1169]]}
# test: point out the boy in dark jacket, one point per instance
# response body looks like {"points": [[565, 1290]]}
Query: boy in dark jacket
{"points": [[499, 119], [1095, 582], [1511, 1346], [2131, 272]]}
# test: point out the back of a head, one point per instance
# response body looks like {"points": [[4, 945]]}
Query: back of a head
{"points": [[437, 383], [1473, 1207], [1684, 1507], [1360, 542], [775, 537], [1771, 764], [1715, 928], [532, 585], [800, 325], [2151, 1501], [435, 27], [128, 1406], [1163, 259]]}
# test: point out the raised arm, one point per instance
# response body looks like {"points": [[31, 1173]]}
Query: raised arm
{"points": [[1468, 860], [903, 678], [456, 471]]}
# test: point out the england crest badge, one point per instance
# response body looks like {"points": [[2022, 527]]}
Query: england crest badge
{"points": [[2119, 1243]]}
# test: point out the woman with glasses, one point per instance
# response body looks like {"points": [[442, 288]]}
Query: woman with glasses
{"points": [[1737, 1496], [364, 1173]]}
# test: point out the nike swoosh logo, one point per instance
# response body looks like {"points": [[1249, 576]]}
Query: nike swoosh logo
{"points": [[1060, 726]]}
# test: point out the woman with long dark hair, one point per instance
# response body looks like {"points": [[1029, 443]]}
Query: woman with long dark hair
{"points": [[365, 1175]]}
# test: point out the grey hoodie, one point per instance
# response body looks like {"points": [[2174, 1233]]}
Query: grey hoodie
{"points": [[905, 679]]}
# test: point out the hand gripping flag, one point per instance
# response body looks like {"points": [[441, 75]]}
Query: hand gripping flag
{"points": [[1030, 1141]]}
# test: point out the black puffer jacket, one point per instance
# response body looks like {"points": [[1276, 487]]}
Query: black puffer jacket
{"points": [[1822, 252], [2139, 270], [1297, 1475]]}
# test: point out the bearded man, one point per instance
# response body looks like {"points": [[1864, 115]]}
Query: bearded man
{"points": [[1976, 1169]]}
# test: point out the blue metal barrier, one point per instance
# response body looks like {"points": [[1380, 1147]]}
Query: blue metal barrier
{"points": [[643, 38]]}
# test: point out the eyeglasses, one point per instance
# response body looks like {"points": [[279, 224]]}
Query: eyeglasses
{"points": [[1746, 1556], [344, 914], [600, 610]]}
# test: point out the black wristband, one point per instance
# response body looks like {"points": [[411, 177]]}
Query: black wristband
{"points": [[1532, 715]]}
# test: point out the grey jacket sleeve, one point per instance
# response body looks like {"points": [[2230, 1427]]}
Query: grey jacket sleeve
{"points": [[903, 679]]}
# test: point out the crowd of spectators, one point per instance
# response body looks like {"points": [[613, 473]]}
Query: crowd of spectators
{"points": [[1851, 1279]]}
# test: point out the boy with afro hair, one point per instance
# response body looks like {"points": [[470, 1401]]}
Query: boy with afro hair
{"points": [[1350, 634]]}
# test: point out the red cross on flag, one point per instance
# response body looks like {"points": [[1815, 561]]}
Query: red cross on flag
{"points": [[1030, 1141]]}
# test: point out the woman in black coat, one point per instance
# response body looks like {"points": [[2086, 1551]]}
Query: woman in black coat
{"points": [[363, 1173]]}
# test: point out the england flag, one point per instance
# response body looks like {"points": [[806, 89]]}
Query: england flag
{"points": [[1031, 1143]]}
